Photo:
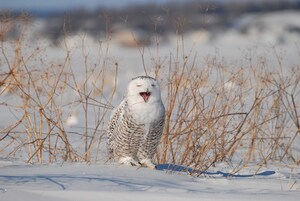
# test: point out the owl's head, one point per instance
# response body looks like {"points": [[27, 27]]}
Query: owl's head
{"points": [[143, 89]]}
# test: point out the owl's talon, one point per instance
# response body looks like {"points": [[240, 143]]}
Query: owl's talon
{"points": [[148, 163], [129, 161]]}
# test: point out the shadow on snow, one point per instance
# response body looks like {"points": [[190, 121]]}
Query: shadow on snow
{"points": [[179, 168], [63, 181]]}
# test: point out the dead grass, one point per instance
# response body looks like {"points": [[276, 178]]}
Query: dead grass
{"points": [[45, 97], [242, 115], [214, 112]]}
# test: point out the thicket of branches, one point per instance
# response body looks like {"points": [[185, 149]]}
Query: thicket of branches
{"points": [[214, 112]]}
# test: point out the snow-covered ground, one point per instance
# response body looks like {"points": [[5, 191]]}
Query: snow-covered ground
{"points": [[112, 182]]}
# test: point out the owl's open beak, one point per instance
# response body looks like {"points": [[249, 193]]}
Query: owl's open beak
{"points": [[145, 95]]}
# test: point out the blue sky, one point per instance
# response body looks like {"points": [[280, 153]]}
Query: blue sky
{"points": [[40, 5], [70, 4], [67, 4]]}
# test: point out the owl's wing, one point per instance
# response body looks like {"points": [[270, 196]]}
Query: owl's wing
{"points": [[124, 135], [113, 122], [152, 139]]}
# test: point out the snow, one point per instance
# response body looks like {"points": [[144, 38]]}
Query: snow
{"points": [[78, 181]]}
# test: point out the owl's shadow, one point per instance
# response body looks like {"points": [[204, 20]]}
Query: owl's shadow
{"points": [[182, 169]]}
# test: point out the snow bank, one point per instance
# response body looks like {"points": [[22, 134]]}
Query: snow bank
{"points": [[112, 182]]}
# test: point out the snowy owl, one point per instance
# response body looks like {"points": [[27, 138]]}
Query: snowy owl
{"points": [[136, 125]]}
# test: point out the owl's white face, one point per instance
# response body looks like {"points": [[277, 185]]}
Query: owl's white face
{"points": [[143, 89]]}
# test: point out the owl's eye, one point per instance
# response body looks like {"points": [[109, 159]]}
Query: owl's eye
{"points": [[138, 85], [153, 85]]}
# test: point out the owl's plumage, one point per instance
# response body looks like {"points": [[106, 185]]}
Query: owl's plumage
{"points": [[136, 125]]}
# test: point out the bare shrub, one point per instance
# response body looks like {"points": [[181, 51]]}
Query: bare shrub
{"points": [[240, 115], [215, 112], [42, 99]]}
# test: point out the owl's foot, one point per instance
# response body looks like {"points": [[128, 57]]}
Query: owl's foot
{"points": [[148, 163], [129, 161]]}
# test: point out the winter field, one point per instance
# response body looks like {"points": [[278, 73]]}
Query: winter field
{"points": [[112, 182], [232, 119]]}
